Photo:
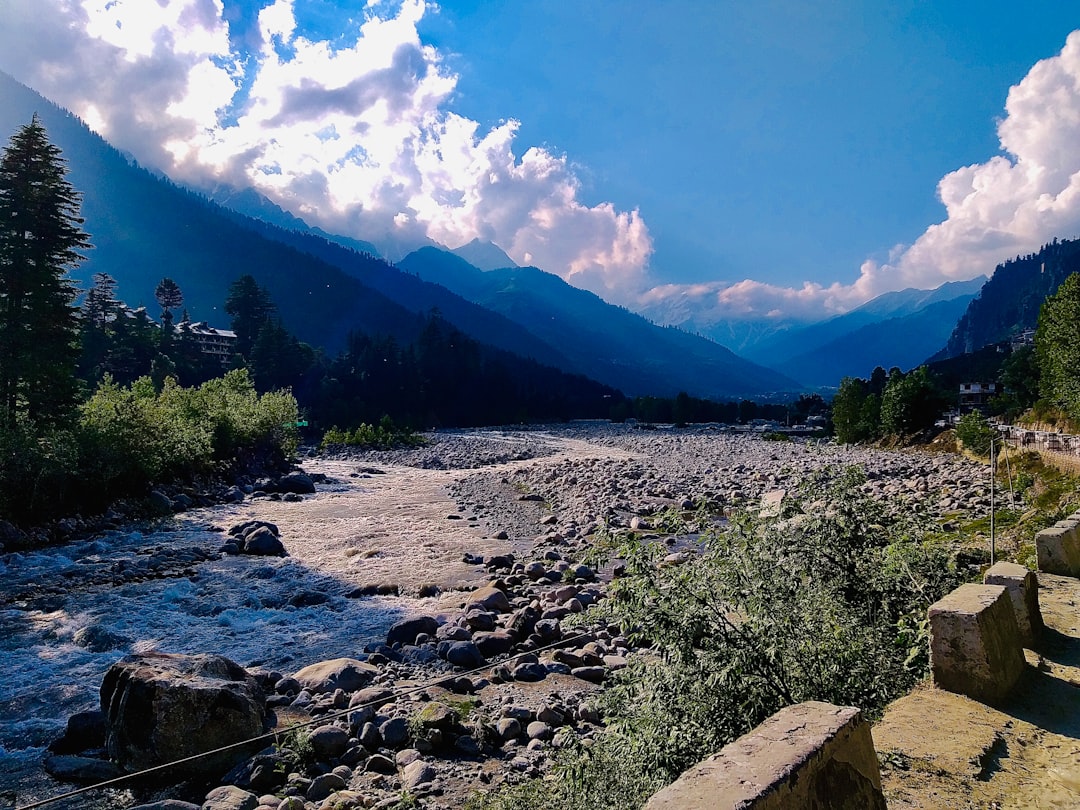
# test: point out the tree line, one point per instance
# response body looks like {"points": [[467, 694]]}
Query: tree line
{"points": [[1041, 381]]}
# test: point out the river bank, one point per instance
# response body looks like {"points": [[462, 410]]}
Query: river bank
{"points": [[386, 536]]}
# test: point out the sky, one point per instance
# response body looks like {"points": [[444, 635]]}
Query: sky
{"points": [[765, 160]]}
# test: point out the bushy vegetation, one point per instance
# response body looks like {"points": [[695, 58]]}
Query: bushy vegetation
{"points": [[975, 433], [126, 438], [383, 436], [893, 404], [826, 601]]}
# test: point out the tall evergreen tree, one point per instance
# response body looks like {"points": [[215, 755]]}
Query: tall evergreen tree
{"points": [[169, 297], [250, 307], [40, 240]]}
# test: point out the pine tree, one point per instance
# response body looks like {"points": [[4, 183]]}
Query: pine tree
{"points": [[250, 307], [169, 297], [40, 240]]}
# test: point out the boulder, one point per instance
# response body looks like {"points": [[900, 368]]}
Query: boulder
{"points": [[161, 707], [230, 797], [416, 774], [464, 654], [167, 804], [85, 730], [975, 647], [489, 598], [406, 630], [296, 482], [346, 674], [329, 742], [1058, 550], [263, 542], [807, 755], [80, 770]]}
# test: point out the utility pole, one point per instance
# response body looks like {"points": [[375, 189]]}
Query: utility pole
{"points": [[993, 545]]}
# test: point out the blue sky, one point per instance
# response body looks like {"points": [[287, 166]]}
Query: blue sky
{"points": [[741, 160]]}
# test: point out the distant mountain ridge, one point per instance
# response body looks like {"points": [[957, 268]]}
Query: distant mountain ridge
{"points": [[608, 343], [1010, 301], [901, 328]]}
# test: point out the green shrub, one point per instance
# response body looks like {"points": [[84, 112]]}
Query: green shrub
{"points": [[975, 432], [384, 436], [827, 602], [128, 438]]}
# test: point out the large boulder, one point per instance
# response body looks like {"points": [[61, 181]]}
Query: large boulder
{"points": [[406, 630], [296, 482], [161, 707], [347, 674]]}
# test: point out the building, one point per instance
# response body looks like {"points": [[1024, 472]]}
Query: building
{"points": [[976, 396], [212, 342]]}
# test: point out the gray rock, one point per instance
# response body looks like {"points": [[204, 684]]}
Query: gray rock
{"points": [[96, 638], [380, 764], [323, 785], [329, 742], [394, 732], [415, 774], [263, 542], [230, 797], [406, 630], [297, 483], [537, 730], [338, 673], [508, 728], [464, 654], [153, 702], [85, 730], [167, 804], [80, 770]]}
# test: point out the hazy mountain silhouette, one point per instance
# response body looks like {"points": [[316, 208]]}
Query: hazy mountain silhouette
{"points": [[606, 342]]}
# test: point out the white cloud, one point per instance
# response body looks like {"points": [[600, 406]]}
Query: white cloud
{"points": [[1011, 204], [356, 138]]}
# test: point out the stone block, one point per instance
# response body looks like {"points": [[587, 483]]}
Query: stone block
{"points": [[975, 647], [1023, 588], [1058, 550], [805, 756]]}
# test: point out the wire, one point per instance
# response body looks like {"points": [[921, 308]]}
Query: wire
{"points": [[273, 735]]}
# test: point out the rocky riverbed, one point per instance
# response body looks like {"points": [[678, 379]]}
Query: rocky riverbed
{"points": [[387, 537]]}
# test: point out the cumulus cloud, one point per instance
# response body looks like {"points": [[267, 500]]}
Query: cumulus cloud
{"points": [[355, 136], [1011, 204]]}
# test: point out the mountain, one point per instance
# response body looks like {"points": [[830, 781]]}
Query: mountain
{"points": [[900, 328], [905, 341], [484, 255], [252, 204], [144, 228], [1010, 301], [605, 342]]}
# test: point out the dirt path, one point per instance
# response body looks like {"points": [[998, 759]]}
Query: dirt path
{"points": [[942, 750]]}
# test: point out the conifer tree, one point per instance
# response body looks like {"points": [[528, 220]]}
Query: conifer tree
{"points": [[41, 238]]}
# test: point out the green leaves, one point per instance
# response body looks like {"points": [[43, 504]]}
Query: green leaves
{"points": [[1057, 346], [824, 602]]}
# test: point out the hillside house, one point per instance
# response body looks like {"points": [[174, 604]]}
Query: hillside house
{"points": [[976, 396]]}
